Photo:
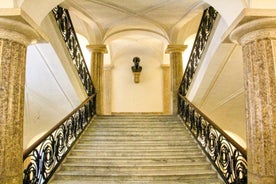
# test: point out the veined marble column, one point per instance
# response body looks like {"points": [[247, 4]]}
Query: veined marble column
{"points": [[166, 89], [14, 38], [97, 61], [258, 40], [175, 51], [107, 102]]}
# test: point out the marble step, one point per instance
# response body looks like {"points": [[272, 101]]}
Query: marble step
{"points": [[130, 170], [143, 176], [133, 116], [137, 144], [121, 156], [140, 119], [139, 163], [140, 143], [120, 181], [135, 148], [96, 153], [137, 137], [137, 133], [137, 126], [135, 129], [138, 122], [134, 161]]}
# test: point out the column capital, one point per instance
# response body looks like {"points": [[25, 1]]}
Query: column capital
{"points": [[97, 48], [16, 29], [165, 66], [108, 67], [253, 30], [175, 48]]}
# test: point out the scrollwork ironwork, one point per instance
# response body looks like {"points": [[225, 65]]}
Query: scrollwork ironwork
{"points": [[205, 27], [226, 155], [69, 36], [43, 158]]}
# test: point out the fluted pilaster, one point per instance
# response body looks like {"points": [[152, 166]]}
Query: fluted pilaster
{"points": [[175, 52], [14, 38], [97, 62], [258, 40]]}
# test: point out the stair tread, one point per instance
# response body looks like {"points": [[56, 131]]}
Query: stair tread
{"points": [[136, 172], [122, 164], [105, 181]]}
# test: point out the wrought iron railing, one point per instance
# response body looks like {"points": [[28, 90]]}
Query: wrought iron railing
{"points": [[43, 158], [69, 36], [227, 156], [204, 30]]}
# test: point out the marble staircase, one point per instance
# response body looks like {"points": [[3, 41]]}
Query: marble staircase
{"points": [[136, 149]]}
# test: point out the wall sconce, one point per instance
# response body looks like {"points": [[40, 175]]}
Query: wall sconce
{"points": [[136, 69]]}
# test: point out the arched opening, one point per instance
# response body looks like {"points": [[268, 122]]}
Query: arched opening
{"points": [[145, 96]]}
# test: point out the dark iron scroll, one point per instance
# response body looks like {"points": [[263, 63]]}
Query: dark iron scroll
{"points": [[228, 157], [43, 158], [204, 30], [69, 36]]}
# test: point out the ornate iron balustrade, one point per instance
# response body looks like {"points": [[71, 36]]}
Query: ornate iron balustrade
{"points": [[69, 36], [204, 30], [228, 157], [43, 158]]}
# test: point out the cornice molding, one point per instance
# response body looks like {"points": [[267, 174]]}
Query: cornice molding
{"points": [[247, 15], [18, 31], [253, 30]]}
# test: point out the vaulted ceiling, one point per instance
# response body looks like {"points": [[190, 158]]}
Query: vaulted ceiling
{"points": [[110, 18]]}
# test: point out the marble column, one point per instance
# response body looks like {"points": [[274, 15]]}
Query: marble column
{"points": [[258, 40], [107, 102], [97, 62], [166, 89], [14, 38], [175, 51]]}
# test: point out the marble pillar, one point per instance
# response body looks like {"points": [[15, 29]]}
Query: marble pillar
{"points": [[175, 51], [97, 62], [258, 40], [14, 38], [107, 90], [166, 89]]}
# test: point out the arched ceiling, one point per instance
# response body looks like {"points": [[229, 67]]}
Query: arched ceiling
{"points": [[106, 18]]}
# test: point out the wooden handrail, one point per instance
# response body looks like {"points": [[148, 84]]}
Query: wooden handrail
{"points": [[33, 146], [233, 142]]}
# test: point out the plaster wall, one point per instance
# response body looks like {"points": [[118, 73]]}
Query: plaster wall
{"points": [[264, 4], [146, 96], [217, 88], [49, 94]]}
